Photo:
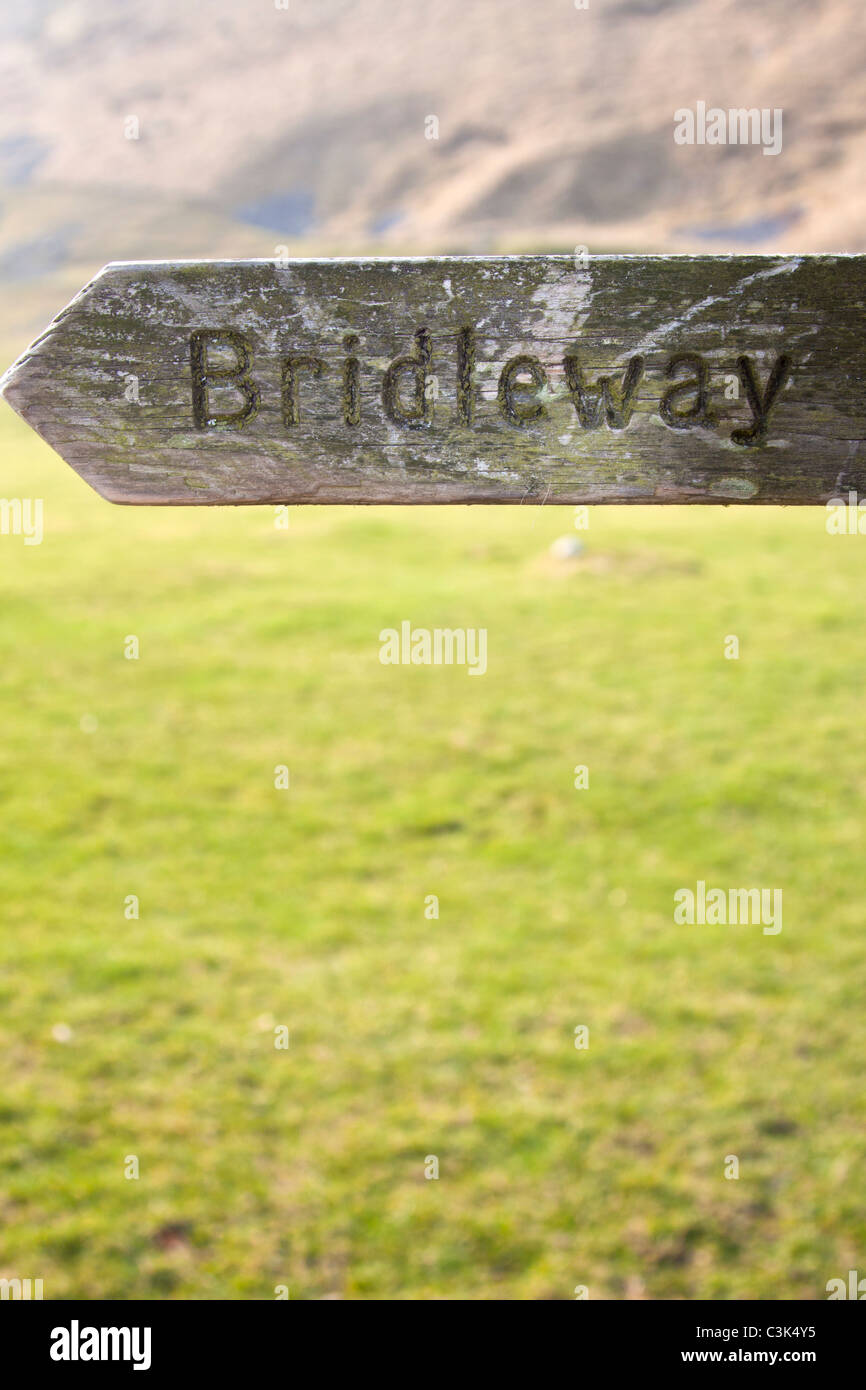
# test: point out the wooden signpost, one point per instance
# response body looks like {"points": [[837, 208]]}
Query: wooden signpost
{"points": [[525, 379]]}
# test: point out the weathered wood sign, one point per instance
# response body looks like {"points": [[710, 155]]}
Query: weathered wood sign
{"points": [[459, 379]]}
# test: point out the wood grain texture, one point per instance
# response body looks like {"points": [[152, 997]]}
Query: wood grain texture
{"points": [[459, 379]]}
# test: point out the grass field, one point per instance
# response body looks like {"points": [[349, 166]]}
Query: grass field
{"points": [[305, 908]]}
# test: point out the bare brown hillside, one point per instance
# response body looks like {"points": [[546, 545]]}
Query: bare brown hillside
{"points": [[307, 126]]}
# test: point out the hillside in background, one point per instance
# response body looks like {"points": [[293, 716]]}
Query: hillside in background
{"points": [[264, 907], [307, 126]]}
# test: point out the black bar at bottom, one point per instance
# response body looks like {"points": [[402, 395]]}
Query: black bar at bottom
{"points": [[86, 1339]]}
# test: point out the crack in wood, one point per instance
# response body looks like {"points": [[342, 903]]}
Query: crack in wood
{"points": [[520, 379]]}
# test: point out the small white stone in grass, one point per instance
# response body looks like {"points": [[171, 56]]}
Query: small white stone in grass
{"points": [[89, 723], [566, 548], [61, 1032]]}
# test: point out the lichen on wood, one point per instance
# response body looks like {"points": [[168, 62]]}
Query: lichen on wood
{"points": [[521, 379]]}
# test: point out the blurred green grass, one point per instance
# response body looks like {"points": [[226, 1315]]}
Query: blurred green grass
{"points": [[305, 908]]}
